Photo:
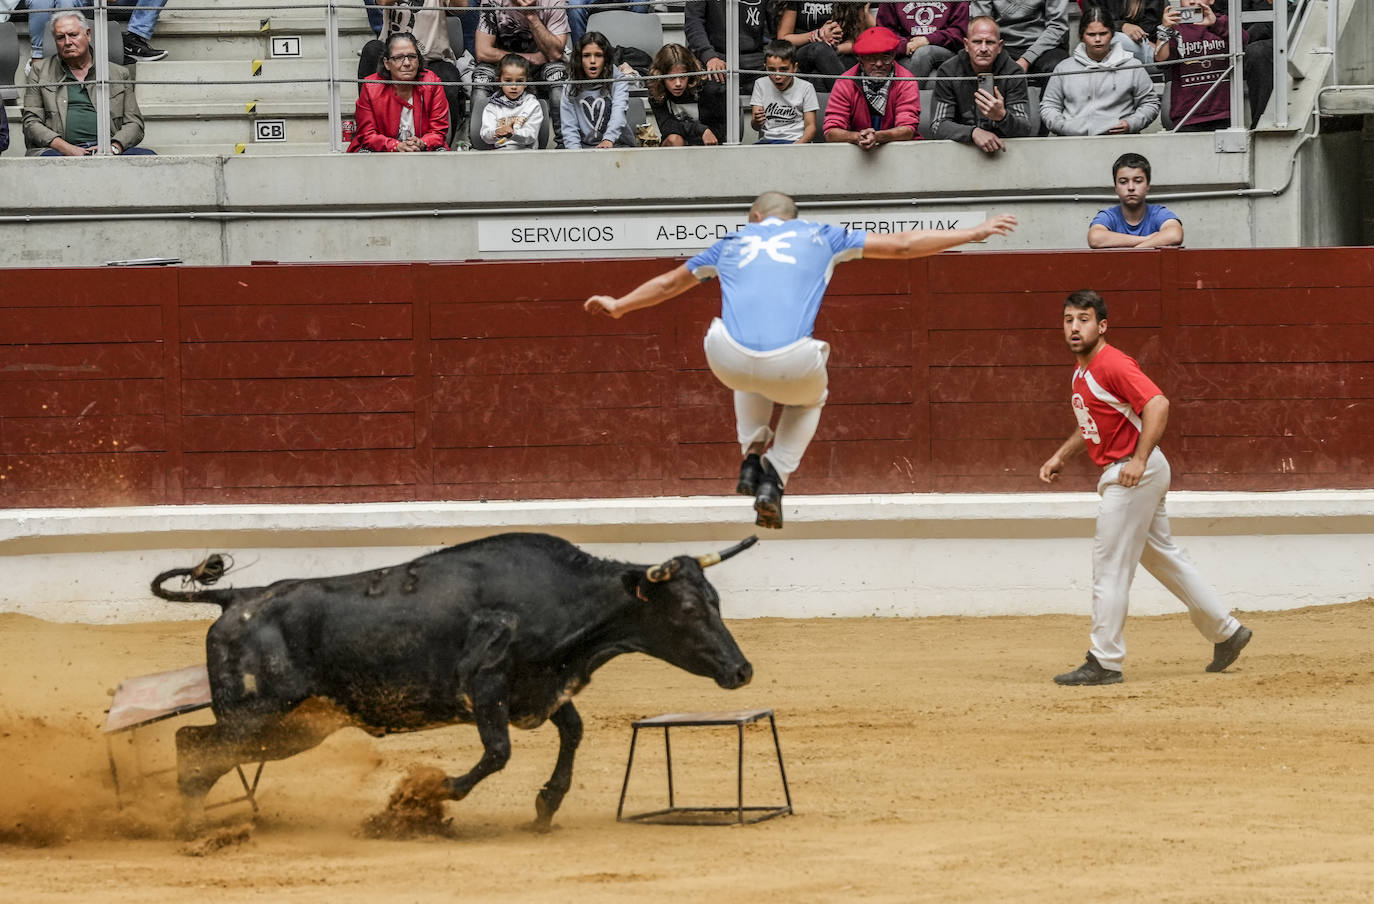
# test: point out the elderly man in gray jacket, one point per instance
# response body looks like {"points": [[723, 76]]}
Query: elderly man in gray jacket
{"points": [[59, 105]]}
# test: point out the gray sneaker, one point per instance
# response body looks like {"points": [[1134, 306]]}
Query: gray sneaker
{"points": [[1090, 673], [1226, 652]]}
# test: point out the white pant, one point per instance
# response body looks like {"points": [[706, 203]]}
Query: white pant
{"points": [[1132, 527], [793, 376]]}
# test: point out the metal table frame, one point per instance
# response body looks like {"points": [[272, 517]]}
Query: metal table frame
{"points": [[702, 816]]}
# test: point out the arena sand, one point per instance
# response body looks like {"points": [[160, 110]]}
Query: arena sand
{"points": [[929, 760]]}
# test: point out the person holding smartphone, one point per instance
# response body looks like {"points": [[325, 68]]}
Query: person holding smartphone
{"points": [[980, 97], [1197, 38]]}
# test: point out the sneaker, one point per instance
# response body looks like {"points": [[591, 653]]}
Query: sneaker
{"points": [[138, 50], [28, 70], [768, 500], [1226, 652], [1089, 673], [750, 470]]}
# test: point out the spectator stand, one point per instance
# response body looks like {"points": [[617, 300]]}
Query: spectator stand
{"points": [[256, 76]]}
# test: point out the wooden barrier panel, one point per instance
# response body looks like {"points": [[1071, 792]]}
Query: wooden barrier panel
{"points": [[478, 380]]}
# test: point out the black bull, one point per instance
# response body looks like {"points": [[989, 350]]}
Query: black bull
{"points": [[501, 630]]}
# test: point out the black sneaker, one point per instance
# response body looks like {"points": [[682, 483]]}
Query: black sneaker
{"points": [[1226, 652], [768, 500], [138, 50], [1089, 673], [750, 470]]}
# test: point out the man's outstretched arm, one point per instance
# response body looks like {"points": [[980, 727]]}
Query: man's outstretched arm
{"points": [[646, 295], [924, 242]]}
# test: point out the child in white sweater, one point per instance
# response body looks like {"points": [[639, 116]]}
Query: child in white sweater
{"points": [[511, 118]]}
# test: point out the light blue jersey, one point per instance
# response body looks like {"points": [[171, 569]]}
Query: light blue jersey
{"points": [[773, 275]]}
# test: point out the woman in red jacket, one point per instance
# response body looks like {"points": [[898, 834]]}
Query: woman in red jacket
{"points": [[410, 113]]}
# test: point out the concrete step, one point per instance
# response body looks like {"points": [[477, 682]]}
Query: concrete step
{"points": [[230, 130], [195, 83]]}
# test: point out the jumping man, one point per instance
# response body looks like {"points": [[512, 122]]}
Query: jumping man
{"points": [[773, 274], [1121, 417]]}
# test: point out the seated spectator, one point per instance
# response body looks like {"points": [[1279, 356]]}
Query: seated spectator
{"points": [[579, 11], [869, 110], [933, 30], [1134, 223], [539, 35], [597, 98], [967, 113], [1036, 32], [1102, 89], [513, 116], [408, 115], [1136, 23], [676, 127], [142, 21], [425, 20], [703, 21], [824, 34], [4, 130], [1191, 78], [783, 106], [59, 112]]}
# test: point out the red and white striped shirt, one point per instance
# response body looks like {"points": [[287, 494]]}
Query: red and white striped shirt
{"points": [[1108, 396]]}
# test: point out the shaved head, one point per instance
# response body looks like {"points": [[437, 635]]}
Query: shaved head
{"points": [[773, 204]]}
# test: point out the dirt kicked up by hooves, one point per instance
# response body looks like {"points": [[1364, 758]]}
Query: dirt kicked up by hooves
{"points": [[416, 807]]}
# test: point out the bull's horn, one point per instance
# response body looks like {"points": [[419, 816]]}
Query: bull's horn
{"points": [[660, 573], [712, 558]]}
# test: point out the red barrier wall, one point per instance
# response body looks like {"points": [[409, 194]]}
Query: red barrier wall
{"points": [[294, 383]]}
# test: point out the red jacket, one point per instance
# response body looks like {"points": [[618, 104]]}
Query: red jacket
{"points": [[378, 114], [848, 109]]}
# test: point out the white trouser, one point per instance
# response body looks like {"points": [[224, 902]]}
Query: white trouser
{"points": [[793, 376], [1132, 527]]}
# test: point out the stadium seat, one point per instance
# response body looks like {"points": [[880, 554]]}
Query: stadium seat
{"points": [[927, 107], [626, 29], [114, 42], [1033, 103], [475, 125], [9, 60]]}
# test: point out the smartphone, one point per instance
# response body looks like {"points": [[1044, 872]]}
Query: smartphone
{"points": [[1190, 15], [985, 83]]}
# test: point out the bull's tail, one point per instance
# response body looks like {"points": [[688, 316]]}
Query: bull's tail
{"points": [[206, 573]]}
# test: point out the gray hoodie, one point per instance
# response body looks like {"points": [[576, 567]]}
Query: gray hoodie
{"points": [[1085, 97]]}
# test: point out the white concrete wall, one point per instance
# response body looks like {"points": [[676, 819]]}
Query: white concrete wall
{"points": [[899, 555]]}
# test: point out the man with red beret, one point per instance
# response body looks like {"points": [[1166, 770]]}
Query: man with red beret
{"points": [[866, 107]]}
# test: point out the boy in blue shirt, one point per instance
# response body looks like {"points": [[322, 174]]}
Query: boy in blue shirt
{"points": [[773, 274], [1134, 223]]}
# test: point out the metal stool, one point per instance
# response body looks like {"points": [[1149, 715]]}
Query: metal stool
{"points": [[705, 816], [142, 701]]}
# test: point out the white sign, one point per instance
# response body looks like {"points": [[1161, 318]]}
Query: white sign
{"points": [[286, 46], [674, 234], [269, 130]]}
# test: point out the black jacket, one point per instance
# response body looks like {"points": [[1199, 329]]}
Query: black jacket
{"points": [[955, 115]]}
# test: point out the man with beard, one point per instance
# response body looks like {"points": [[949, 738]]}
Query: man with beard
{"points": [[1134, 223], [1121, 417]]}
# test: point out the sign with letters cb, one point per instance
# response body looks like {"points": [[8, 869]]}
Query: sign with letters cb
{"points": [[269, 130]]}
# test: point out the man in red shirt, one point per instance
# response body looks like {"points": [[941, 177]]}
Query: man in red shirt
{"points": [[1121, 417]]}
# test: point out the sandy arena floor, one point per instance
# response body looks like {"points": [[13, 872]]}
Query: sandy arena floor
{"points": [[929, 760]]}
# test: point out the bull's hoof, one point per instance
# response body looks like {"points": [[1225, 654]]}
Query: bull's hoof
{"points": [[193, 823], [543, 821]]}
